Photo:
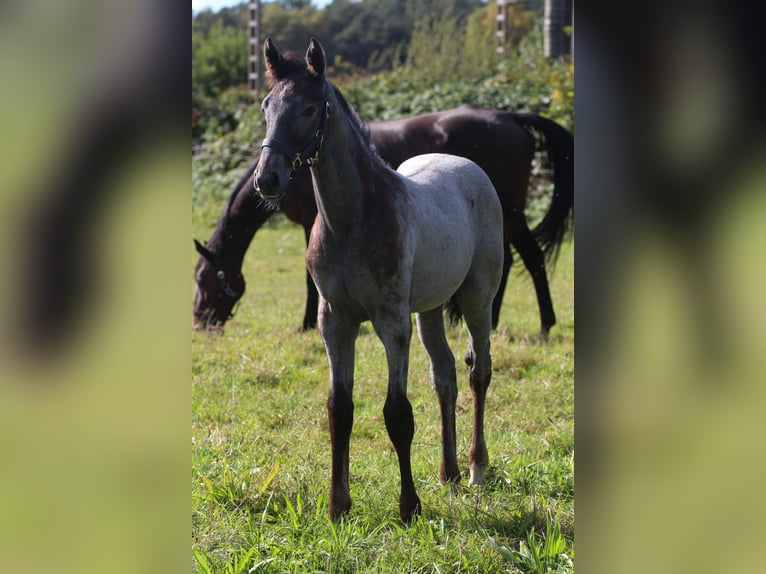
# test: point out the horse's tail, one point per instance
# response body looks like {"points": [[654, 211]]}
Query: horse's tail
{"points": [[558, 144], [453, 311]]}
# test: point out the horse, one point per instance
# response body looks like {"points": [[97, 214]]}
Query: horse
{"points": [[502, 143], [385, 244]]}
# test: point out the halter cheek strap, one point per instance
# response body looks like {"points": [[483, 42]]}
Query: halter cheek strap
{"points": [[309, 154], [231, 292]]}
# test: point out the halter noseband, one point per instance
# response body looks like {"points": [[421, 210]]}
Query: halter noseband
{"points": [[309, 154]]}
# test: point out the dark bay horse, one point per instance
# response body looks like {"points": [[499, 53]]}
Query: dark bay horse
{"points": [[502, 143], [385, 244]]}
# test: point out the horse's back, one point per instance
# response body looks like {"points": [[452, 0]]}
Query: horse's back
{"points": [[452, 178], [457, 221]]}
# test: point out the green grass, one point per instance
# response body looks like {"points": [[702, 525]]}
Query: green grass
{"points": [[261, 448]]}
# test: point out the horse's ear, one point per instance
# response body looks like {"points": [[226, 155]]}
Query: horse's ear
{"points": [[315, 58], [271, 55], [204, 251]]}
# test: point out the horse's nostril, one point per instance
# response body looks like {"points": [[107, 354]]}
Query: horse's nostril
{"points": [[266, 182]]}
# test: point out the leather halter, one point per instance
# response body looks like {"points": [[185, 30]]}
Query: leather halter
{"points": [[228, 289], [309, 154]]}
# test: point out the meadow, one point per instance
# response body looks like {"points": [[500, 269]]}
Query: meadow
{"points": [[261, 446]]}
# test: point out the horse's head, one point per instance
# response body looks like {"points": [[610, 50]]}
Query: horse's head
{"points": [[219, 287], [296, 112]]}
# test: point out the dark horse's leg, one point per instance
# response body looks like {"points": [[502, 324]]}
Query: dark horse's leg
{"points": [[497, 303], [532, 256], [339, 335], [312, 295]]}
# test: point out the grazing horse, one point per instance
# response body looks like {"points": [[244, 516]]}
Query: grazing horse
{"points": [[385, 244], [502, 143]]}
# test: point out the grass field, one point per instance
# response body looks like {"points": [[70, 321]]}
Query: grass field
{"points": [[261, 447]]}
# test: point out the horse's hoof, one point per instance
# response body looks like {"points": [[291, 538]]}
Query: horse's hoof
{"points": [[339, 507], [409, 509], [477, 475], [452, 476]]}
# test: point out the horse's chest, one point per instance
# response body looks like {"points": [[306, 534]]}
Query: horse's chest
{"points": [[346, 275], [352, 273]]}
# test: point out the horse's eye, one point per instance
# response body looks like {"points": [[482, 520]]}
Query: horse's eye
{"points": [[220, 274], [309, 111], [265, 103]]}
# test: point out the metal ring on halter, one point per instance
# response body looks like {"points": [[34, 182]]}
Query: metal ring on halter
{"points": [[297, 159]]}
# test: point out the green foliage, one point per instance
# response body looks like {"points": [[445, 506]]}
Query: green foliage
{"points": [[524, 81], [218, 60], [446, 47], [219, 73], [290, 25]]}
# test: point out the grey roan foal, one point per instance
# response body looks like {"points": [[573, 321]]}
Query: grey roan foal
{"points": [[385, 244]]}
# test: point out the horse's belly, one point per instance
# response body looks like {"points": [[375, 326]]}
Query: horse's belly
{"points": [[438, 271], [425, 298]]}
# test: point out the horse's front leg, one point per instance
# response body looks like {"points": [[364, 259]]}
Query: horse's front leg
{"points": [[394, 328], [339, 336]]}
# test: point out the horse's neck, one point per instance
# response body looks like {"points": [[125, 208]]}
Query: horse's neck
{"points": [[341, 174], [235, 230]]}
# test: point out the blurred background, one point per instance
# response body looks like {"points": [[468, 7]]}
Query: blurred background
{"points": [[94, 355], [669, 284], [95, 201]]}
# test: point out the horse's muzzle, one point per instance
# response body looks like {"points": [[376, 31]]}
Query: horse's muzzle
{"points": [[267, 185]]}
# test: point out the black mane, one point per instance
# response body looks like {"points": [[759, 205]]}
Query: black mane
{"points": [[360, 125]]}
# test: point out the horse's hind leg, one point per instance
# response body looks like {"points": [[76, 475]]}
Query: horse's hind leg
{"points": [[339, 338], [443, 377], [479, 363], [534, 260]]}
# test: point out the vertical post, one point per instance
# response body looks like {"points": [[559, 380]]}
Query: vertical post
{"points": [[501, 25], [558, 14], [254, 48]]}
